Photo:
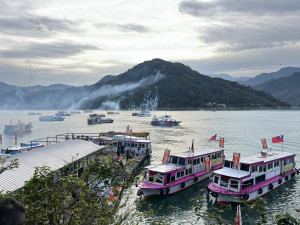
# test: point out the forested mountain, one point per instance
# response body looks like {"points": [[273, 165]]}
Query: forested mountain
{"points": [[286, 89], [228, 77], [154, 84], [261, 78]]}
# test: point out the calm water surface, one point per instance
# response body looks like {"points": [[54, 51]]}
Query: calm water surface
{"points": [[242, 131]]}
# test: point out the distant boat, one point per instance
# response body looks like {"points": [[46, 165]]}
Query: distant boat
{"points": [[51, 118], [165, 120], [17, 128], [144, 113], [75, 112], [98, 119], [19, 149], [112, 112], [62, 113], [34, 113], [134, 113]]}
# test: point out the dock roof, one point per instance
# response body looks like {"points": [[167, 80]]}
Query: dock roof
{"points": [[55, 156]]}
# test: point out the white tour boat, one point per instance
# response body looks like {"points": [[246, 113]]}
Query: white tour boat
{"points": [[250, 177], [180, 171]]}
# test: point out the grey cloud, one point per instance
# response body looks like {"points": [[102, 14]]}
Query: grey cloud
{"points": [[221, 7], [55, 50], [237, 37], [124, 27]]}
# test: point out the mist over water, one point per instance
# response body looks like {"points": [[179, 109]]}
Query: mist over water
{"points": [[242, 130]]}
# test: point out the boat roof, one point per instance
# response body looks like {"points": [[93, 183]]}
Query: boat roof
{"points": [[270, 156], [164, 167], [199, 152], [231, 172]]}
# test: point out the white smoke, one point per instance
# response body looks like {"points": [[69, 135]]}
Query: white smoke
{"points": [[113, 90], [110, 105]]}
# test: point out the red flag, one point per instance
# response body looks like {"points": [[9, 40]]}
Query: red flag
{"points": [[278, 139], [238, 218], [221, 143], [213, 138], [130, 132], [166, 156], [192, 148], [16, 139], [236, 160], [1, 139], [264, 143], [127, 130], [207, 163]]}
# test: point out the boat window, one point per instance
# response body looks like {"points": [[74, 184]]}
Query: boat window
{"points": [[186, 172], [224, 181], [159, 179], [189, 161], [181, 161], [182, 173], [284, 162], [173, 178], [190, 170], [234, 184], [194, 162], [260, 178], [227, 163], [254, 169], [270, 166], [198, 161], [202, 159], [216, 180], [247, 183], [174, 160], [177, 175], [244, 167], [143, 145]]}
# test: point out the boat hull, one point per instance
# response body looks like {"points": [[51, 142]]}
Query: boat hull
{"points": [[168, 190], [165, 123]]}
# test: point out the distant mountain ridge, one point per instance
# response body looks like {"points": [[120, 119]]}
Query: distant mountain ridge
{"points": [[154, 84], [228, 77], [261, 78], [286, 89]]}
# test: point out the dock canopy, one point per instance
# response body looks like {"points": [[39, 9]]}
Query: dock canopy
{"points": [[55, 157]]}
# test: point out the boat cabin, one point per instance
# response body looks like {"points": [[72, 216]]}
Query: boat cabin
{"points": [[184, 166]]}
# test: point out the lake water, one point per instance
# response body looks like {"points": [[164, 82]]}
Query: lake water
{"points": [[242, 130]]}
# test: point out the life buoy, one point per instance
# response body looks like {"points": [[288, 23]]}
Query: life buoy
{"points": [[161, 192], [293, 174], [183, 185], [246, 196], [195, 179], [271, 187], [260, 191], [214, 194], [167, 190], [279, 181], [287, 177]]}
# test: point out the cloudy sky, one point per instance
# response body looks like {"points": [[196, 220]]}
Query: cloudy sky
{"points": [[78, 42]]}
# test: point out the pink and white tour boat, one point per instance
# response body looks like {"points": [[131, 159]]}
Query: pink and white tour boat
{"points": [[180, 171], [250, 177]]}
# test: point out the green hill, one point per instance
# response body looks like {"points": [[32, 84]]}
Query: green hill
{"points": [[286, 89]]}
